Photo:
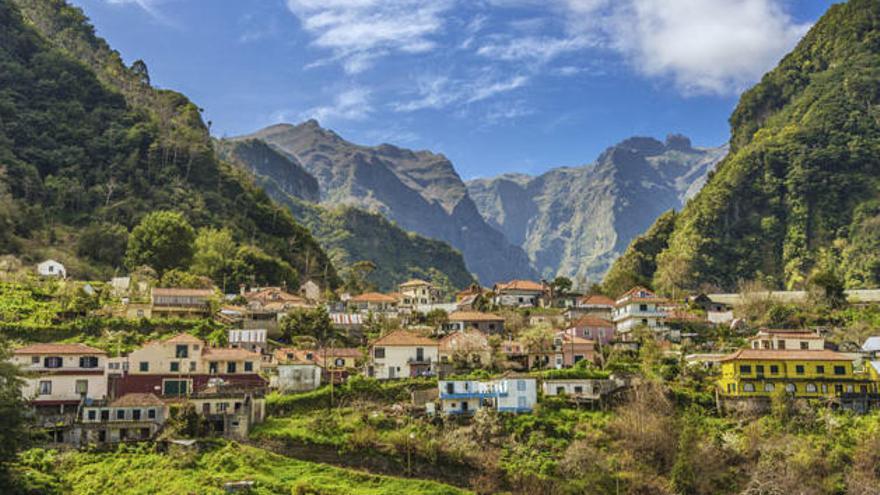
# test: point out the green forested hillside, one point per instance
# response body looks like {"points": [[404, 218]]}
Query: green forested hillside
{"points": [[799, 193], [349, 234], [88, 147]]}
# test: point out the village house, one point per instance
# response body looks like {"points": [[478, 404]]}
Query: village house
{"points": [[515, 354], [569, 350], [373, 302], [471, 291], [267, 306], [582, 390], [59, 378], [466, 349], [787, 339], [402, 354], [417, 292], [297, 370], [228, 409], [509, 393], [639, 307], [593, 328], [757, 373], [487, 323], [132, 417], [871, 347], [716, 312], [253, 340], [520, 294], [180, 303], [51, 268], [184, 364]]}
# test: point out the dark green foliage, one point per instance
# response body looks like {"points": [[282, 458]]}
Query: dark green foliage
{"points": [[14, 433], [103, 243], [639, 262], [86, 140], [313, 323], [804, 160], [163, 240]]}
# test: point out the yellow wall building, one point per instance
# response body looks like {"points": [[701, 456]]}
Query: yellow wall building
{"points": [[804, 373]]}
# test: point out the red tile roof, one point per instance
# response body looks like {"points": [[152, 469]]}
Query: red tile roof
{"points": [[404, 338], [137, 399], [470, 340], [374, 297], [414, 283], [171, 291], [184, 338], [527, 285], [596, 300], [473, 316], [55, 348], [790, 355], [594, 322]]}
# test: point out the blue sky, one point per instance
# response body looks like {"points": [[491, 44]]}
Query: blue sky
{"points": [[495, 85]]}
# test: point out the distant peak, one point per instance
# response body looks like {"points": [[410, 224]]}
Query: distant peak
{"points": [[678, 142], [642, 145], [313, 123]]}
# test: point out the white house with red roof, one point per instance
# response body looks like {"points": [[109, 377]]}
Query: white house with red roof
{"points": [[520, 294], [402, 354], [639, 307]]}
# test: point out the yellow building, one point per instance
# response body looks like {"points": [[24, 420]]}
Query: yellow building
{"points": [[804, 373]]}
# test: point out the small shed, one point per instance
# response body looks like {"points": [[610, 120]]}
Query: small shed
{"points": [[51, 268]]}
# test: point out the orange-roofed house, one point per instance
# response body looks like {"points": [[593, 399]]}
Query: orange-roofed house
{"points": [[488, 323], [418, 292], [374, 302], [132, 417], [639, 307], [594, 305], [467, 349], [402, 354], [592, 328], [786, 340], [520, 294]]}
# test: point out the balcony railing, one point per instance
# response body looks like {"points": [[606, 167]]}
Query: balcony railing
{"points": [[417, 360]]}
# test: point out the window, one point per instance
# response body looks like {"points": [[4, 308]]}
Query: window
{"points": [[248, 366], [53, 362], [450, 387], [144, 366], [310, 356], [849, 389], [420, 354], [759, 369], [774, 369], [820, 370], [745, 369], [780, 345], [175, 387], [222, 406], [769, 387], [805, 345], [339, 362], [790, 388], [578, 389], [113, 366], [748, 387], [45, 387], [192, 366], [105, 415], [213, 365], [175, 367], [136, 414], [840, 370], [578, 357], [92, 415], [521, 402], [810, 388], [824, 388], [643, 307], [230, 367], [181, 351], [521, 385], [560, 390], [151, 413], [120, 414], [35, 359], [82, 387], [379, 352], [799, 369], [88, 362]]}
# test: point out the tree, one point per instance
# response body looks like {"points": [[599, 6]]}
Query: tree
{"points": [[185, 280], [104, 243], [254, 266], [314, 323], [356, 278], [436, 318], [214, 255], [139, 69], [561, 285], [538, 340], [162, 240], [15, 431], [826, 288]]}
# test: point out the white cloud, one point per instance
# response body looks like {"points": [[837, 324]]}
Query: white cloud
{"points": [[442, 91], [704, 46], [359, 31], [351, 104], [540, 49]]}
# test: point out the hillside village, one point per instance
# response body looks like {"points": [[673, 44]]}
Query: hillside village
{"points": [[506, 348]]}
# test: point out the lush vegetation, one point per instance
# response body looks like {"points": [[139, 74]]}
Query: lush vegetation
{"points": [[798, 193], [88, 148], [141, 469]]}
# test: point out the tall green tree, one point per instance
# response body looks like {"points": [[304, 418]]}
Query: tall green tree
{"points": [[14, 433], [214, 255], [162, 240]]}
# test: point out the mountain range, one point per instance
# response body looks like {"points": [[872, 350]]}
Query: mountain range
{"points": [[575, 221]]}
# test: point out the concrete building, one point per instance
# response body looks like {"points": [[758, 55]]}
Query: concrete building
{"points": [[639, 307], [509, 393], [487, 323], [401, 354]]}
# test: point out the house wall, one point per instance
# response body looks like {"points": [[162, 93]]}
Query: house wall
{"points": [[397, 359], [522, 395], [517, 298], [64, 387], [161, 355], [789, 343], [297, 377], [737, 382]]}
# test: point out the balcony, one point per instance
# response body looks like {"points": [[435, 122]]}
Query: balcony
{"points": [[419, 360]]}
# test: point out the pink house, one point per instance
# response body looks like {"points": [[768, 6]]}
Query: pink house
{"points": [[592, 328]]}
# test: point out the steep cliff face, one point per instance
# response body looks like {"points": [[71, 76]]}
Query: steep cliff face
{"points": [[798, 194], [348, 234], [419, 190], [576, 221]]}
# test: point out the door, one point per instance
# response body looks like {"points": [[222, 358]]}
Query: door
{"points": [[391, 372], [464, 407]]}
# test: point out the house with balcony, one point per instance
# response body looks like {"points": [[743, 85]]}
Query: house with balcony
{"points": [[487, 323], [755, 374], [639, 307], [402, 354], [373, 302], [417, 292], [592, 391], [180, 303], [509, 393], [184, 364], [520, 294], [781, 340], [58, 379]]}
